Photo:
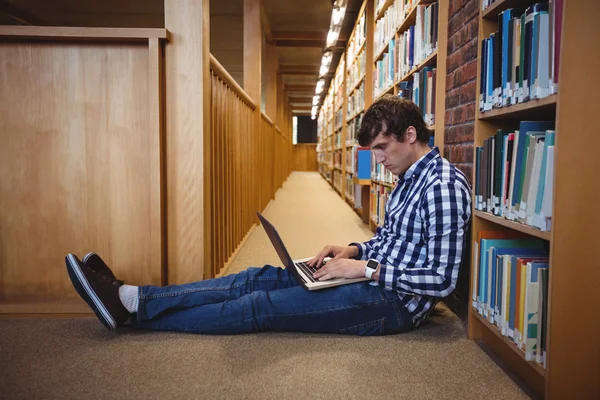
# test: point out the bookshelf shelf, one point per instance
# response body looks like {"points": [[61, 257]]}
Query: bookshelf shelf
{"points": [[534, 365], [430, 60], [517, 226], [357, 84], [388, 90], [496, 8], [535, 108], [380, 13], [390, 185], [354, 115], [411, 17], [362, 182]]}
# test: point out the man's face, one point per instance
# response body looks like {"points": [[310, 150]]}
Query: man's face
{"points": [[394, 155]]}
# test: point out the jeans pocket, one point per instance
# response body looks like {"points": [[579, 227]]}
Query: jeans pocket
{"points": [[372, 328]]}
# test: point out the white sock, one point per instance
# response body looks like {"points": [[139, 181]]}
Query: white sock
{"points": [[129, 297]]}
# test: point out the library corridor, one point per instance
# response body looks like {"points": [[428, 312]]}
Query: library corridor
{"points": [[442, 147], [430, 363]]}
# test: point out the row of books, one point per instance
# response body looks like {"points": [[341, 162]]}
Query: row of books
{"points": [[379, 197], [380, 173], [352, 130], [357, 71], [325, 157], [359, 37], [383, 73], [337, 140], [520, 61], [421, 89], [510, 288], [515, 173], [418, 41], [339, 118], [337, 180], [337, 159], [386, 27], [356, 101]]}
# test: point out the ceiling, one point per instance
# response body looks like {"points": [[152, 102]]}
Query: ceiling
{"points": [[298, 29]]}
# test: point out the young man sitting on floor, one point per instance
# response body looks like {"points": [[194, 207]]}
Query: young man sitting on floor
{"points": [[415, 256]]}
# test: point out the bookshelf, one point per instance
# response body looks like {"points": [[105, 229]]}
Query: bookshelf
{"points": [[393, 72], [350, 87], [572, 363]]}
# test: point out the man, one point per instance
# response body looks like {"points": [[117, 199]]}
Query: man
{"points": [[413, 259]]}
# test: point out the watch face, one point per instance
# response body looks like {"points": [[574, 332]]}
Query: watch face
{"points": [[372, 264]]}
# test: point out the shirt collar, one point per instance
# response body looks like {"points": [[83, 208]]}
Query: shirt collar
{"points": [[420, 164]]}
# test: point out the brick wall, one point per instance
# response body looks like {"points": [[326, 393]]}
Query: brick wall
{"points": [[460, 114], [460, 83]]}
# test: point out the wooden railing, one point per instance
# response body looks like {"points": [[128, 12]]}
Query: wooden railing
{"points": [[248, 164]]}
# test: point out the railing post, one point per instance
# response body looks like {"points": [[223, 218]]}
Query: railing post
{"points": [[252, 86], [187, 63]]}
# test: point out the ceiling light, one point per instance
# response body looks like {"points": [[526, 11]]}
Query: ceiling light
{"points": [[332, 36]]}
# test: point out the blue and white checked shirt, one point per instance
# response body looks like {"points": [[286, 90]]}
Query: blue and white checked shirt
{"points": [[420, 243]]}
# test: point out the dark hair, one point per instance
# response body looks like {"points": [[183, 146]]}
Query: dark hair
{"points": [[392, 115]]}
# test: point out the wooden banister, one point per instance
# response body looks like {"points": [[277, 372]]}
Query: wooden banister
{"points": [[222, 73]]}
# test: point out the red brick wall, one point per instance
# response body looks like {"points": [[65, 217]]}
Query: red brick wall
{"points": [[460, 83], [461, 88]]}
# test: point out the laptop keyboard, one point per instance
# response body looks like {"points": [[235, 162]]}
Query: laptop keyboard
{"points": [[308, 271]]}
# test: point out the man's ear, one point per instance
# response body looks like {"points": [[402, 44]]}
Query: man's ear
{"points": [[411, 134]]}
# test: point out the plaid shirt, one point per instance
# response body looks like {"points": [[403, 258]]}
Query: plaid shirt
{"points": [[420, 243]]}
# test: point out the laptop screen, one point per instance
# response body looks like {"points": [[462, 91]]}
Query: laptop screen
{"points": [[277, 242]]}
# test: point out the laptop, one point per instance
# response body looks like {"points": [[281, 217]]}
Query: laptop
{"points": [[299, 268]]}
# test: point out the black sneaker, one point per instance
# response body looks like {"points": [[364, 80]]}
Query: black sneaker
{"points": [[99, 290], [96, 263]]}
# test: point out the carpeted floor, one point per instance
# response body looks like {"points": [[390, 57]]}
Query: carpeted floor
{"points": [[79, 359]]}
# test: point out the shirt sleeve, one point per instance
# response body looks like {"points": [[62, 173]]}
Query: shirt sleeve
{"points": [[445, 213], [365, 248]]}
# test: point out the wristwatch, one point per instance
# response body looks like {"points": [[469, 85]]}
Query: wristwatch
{"points": [[370, 268]]}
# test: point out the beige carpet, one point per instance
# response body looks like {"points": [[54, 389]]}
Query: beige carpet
{"points": [[79, 359]]}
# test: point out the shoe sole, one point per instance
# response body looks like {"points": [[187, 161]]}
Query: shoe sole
{"points": [[83, 287]]}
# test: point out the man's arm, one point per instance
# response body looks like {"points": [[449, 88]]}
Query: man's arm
{"points": [[445, 212]]}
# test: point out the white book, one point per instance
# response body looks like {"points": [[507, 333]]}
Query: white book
{"points": [[543, 72], [534, 183], [510, 213], [530, 325]]}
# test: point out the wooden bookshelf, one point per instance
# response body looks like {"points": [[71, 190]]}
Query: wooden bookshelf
{"points": [[572, 364], [436, 59], [536, 108], [517, 226]]}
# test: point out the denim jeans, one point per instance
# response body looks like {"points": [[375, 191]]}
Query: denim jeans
{"points": [[270, 299]]}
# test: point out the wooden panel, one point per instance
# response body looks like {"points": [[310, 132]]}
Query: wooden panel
{"points": [[70, 33], [575, 251], [305, 157], [188, 101], [440, 97], [77, 165]]}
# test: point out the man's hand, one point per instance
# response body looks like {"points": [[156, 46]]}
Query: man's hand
{"points": [[341, 268], [336, 252]]}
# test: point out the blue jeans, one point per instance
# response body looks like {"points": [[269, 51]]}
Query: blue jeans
{"points": [[270, 299]]}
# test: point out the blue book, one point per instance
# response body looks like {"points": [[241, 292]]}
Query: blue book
{"points": [[505, 18], [363, 170], [524, 127], [490, 71], [489, 261]]}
